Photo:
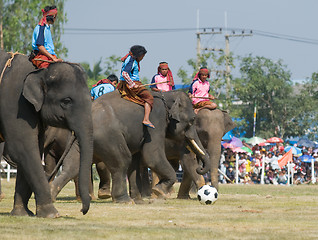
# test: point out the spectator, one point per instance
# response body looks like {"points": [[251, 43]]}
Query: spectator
{"points": [[282, 178]]}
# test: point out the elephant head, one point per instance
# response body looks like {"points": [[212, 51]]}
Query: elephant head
{"points": [[181, 127], [61, 96]]}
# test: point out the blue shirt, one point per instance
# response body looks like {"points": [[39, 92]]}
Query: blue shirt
{"points": [[130, 66], [101, 89], [42, 36]]}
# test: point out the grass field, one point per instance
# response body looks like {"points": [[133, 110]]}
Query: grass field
{"points": [[241, 212]]}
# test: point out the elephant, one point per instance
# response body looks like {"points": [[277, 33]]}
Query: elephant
{"points": [[211, 126], [55, 144], [30, 100], [121, 121], [118, 143]]}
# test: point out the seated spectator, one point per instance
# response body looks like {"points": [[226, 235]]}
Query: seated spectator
{"points": [[230, 174], [282, 178]]}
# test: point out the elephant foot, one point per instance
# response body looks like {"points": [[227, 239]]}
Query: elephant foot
{"points": [[47, 211], [139, 201], [104, 193], [158, 193], [2, 195], [21, 211], [54, 193], [183, 197], [125, 199]]}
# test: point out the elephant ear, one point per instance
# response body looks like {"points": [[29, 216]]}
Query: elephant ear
{"points": [[33, 88], [174, 112], [228, 123]]}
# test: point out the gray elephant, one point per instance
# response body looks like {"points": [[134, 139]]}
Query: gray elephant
{"points": [[121, 135], [29, 101], [119, 138], [55, 145], [211, 126]]}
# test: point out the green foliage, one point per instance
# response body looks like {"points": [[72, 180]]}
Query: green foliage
{"points": [[112, 63], [280, 110], [19, 17], [100, 71]]}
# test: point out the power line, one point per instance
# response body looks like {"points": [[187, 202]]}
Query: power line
{"points": [[203, 30]]}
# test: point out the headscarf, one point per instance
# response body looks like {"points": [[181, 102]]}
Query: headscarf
{"points": [[51, 12], [201, 71], [169, 74], [101, 82]]}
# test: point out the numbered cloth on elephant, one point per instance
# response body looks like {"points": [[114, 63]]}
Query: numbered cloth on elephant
{"points": [[138, 95]]}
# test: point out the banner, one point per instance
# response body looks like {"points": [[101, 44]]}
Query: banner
{"points": [[287, 157]]}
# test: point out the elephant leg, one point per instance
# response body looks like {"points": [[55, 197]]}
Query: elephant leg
{"points": [[117, 159], [91, 188], [156, 160], [104, 184], [189, 165], [215, 152], [185, 186], [21, 196], [70, 170], [31, 178], [134, 178]]}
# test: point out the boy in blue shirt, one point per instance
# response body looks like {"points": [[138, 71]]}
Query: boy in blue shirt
{"points": [[130, 86], [104, 86], [42, 42]]}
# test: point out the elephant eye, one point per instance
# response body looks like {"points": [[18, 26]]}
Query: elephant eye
{"points": [[66, 102]]}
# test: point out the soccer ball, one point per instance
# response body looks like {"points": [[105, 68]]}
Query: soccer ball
{"points": [[207, 194]]}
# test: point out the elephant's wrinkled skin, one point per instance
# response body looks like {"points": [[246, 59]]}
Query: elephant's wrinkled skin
{"points": [[121, 135], [211, 126], [29, 101]]}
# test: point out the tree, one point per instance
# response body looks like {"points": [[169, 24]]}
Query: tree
{"points": [[93, 74], [112, 63], [215, 62], [267, 84], [19, 17]]}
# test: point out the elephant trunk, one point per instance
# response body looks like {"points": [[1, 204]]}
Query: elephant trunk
{"points": [[196, 146], [84, 135]]}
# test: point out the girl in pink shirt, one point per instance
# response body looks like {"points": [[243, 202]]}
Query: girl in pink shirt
{"points": [[199, 91], [164, 75]]}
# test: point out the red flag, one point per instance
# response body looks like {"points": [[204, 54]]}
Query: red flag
{"points": [[288, 157]]}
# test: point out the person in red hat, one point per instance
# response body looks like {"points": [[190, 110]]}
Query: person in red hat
{"points": [[42, 42], [199, 91], [164, 78]]}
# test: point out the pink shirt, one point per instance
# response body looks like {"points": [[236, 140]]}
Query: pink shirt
{"points": [[199, 89], [163, 86]]}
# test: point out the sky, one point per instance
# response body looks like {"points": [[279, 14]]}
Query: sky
{"points": [[283, 19]]}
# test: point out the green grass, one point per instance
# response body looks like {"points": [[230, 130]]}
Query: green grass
{"points": [[241, 212]]}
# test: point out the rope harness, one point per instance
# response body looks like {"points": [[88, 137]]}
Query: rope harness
{"points": [[8, 64]]}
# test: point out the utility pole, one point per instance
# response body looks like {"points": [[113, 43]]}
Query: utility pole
{"points": [[227, 55], [205, 32]]}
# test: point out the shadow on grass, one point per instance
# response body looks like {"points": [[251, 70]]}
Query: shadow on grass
{"points": [[5, 214]]}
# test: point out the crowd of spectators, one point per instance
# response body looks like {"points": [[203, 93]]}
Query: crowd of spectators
{"points": [[250, 166]]}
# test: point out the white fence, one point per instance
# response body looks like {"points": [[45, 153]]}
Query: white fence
{"points": [[7, 169]]}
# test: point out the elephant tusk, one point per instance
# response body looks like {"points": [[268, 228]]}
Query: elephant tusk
{"points": [[195, 145]]}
